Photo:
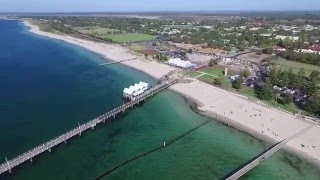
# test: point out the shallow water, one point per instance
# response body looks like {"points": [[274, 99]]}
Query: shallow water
{"points": [[48, 87]]}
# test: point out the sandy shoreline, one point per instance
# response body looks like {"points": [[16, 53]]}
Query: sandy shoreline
{"points": [[254, 118]]}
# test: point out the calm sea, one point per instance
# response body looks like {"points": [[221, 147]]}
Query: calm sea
{"points": [[47, 87]]}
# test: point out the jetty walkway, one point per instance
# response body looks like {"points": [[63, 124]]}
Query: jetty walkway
{"points": [[266, 154], [47, 146]]}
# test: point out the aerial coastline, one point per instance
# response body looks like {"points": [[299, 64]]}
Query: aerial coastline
{"points": [[272, 124]]}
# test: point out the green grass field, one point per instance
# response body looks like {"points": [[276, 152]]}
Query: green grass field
{"points": [[129, 37], [194, 73], [216, 71], [285, 65], [95, 30]]}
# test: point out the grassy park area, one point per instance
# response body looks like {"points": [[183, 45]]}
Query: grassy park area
{"points": [[96, 30], [114, 34], [129, 37], [213, 73], [194, 74], [209, 75], [285, 65]]}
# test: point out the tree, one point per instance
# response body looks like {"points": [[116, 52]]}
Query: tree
{"points": [[213, 62], [246, 72], [285, 99], [281, 44], [217, 82], [182, 53], [283, 79], [161, 57], [241, 47], [238, 83], [259, 53], [314, 104], [267, 51], [310, 87], [274, 74], [265, 93], [315, 75]]}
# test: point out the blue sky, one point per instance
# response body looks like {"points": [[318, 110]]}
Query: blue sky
{"points": [[153, 5]]}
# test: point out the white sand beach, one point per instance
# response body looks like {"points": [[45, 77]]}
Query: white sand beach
{"points": [[110, 51], [252, 117]]}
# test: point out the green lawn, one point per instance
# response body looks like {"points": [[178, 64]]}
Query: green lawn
{"points": [[194, 73], [225, 82], [216, 71], [247, 91], [96, 30], [129, 37], [285, 65]]}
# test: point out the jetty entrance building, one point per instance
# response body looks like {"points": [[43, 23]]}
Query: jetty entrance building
{"points": [[134, 91]]}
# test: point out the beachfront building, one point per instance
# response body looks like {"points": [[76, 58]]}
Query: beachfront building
{"points": [[307, 51], [134, 91], [177, 62]]}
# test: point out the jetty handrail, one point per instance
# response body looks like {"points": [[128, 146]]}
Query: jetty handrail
{"points": [[8, 165]]}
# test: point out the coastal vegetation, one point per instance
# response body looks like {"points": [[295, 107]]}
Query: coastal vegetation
{"points": [[308, 58]]}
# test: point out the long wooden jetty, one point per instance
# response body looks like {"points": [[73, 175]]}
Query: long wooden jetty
{"points": [[47, 146], [262, 157]]}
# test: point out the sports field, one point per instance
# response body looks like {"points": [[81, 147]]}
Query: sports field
{"points": [[285, 65], [96, 30], [129, 37]]}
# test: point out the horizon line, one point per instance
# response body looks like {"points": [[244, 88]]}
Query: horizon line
{"points": [[159, 11]]}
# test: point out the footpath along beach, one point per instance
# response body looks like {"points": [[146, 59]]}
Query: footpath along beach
{"points": [[252, 117]]}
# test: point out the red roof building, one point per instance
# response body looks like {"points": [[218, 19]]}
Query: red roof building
{"points": [[315, 48]]}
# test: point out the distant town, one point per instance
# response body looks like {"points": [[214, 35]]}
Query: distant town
{"points": [[273, 58]]}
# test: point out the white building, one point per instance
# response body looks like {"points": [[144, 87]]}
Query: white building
{"points": [[281, 49], [133, 91], [293, 38], [254, 29], [307, 51], [266, 35], [177, 62]]}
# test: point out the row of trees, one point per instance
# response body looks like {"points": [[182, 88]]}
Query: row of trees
{"points": [[308, 58], [297, 81], [161, 57], [307, 84], [60, 27]]}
